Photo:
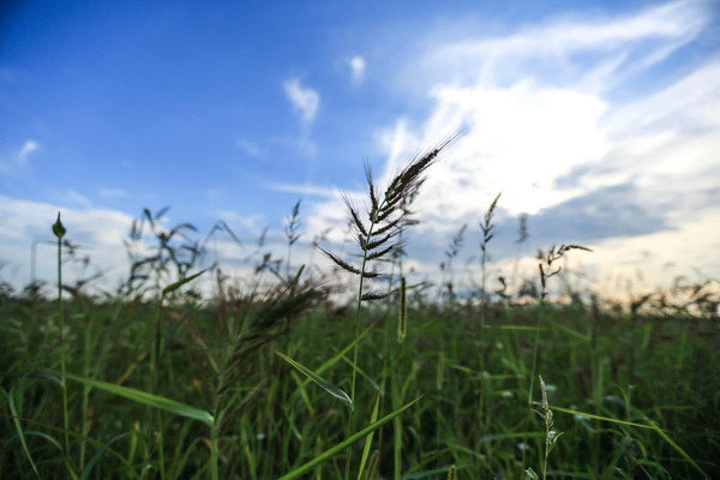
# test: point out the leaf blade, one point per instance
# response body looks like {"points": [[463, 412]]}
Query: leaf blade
{"points": [[318, 380], [346, 443], [149, 399]]}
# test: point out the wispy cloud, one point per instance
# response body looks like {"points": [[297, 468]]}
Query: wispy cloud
{"points": [[250, 223], [305, 100], [18, 158], [592, 53], [304, 189], [76, 198], [111, 193], [357, 69], [251, 148], [680, 20], [28, 147]]}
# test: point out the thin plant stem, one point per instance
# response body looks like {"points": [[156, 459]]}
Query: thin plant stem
{"points": [[358, 321], [59, 231]]}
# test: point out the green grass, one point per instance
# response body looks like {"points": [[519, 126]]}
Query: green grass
{"points": [[153, 381], [292, 422]]}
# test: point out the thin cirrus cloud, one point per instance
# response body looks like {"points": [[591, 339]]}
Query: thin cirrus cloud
{"points": [[113, 193], [249, 147], [620, 46], [305, 100]]}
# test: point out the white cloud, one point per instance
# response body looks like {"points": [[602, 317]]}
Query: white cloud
{"points": [[99, 231], [518, 140], [28, 147], [650, 255], [357, 69], [542, 128], [19, 158], [305, 100]]}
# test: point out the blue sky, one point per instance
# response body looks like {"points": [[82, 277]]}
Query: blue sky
{"points": [[597, 119]]}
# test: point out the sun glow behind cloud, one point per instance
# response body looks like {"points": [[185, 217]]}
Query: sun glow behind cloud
{"points": [[542, 125]]}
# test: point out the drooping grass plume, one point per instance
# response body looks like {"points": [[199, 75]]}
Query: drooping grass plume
{"points": [[377, 232], [547, 269]]}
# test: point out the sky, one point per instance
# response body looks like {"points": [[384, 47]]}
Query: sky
{"points": [[597, 120]]}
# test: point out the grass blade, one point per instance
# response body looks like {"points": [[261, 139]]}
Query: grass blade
{"points": [[174, 286], [321, 382], [652, 426], [340, 355], [369, 438], [18, 428], [149, 399], [346, 443], [606, 419], [677, 448]]}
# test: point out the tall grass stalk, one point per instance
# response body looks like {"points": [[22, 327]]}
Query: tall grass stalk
{"points": [[59, 232], [548, 269], [387, 216], [292, 233], [486, 226]]}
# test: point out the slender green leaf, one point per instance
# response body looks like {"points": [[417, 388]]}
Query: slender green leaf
{"points": [[652, 426], [598, 417], [369, 438], [174, 286], [677, 448], [340, 355], [362, 373], [522, 328], [18, 427], [52, 441], [346, 443], [303, 393], [99, 455], [145, 398], [321, 382]]}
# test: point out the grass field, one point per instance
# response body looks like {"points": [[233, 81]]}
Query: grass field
{"points": [[270, 379]]}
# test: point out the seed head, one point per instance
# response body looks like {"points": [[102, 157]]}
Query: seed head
{"points": [[58, 228]]}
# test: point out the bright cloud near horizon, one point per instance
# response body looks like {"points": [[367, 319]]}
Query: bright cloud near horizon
{"points": [[599, 121]]}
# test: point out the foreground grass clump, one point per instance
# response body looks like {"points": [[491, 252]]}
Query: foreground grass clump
{"points": [[155, 381]]}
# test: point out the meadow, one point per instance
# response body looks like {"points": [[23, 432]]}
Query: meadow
{"points": [[271, 376]]}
